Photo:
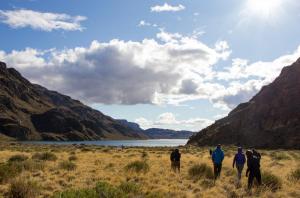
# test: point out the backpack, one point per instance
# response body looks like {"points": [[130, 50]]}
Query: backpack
{"points": [[240, 158]]}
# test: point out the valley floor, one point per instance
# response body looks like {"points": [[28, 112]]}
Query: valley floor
{"points": [[84, 171]]}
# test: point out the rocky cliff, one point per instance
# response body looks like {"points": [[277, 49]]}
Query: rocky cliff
{"points": [[32, 112], [271, 119]]}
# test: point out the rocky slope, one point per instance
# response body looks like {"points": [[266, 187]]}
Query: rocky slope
{"points": [[157, 133], [31, 112], [271, 119]]}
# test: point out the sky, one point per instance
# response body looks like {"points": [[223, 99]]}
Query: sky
{"points": [[179, 64]]}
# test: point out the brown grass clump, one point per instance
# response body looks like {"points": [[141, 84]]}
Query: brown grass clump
{"points": [[45, 156], [138, 166], [199, 171], [22, 188], [67, 165], [271, 181]]}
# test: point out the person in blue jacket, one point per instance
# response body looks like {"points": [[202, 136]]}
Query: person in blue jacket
{"points": [[217, 158], [239, 161]]}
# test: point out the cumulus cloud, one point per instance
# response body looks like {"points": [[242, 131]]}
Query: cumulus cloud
{"points": [[44, 21], [169, 121], [122, 72], [167, 8], [246, 79]]}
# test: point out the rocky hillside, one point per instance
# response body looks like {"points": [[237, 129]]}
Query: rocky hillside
{"points": [[157, 133], [31, 112], [271, 119]]}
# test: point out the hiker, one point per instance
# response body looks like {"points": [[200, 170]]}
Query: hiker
{"points": [[253, 170], [175, 160], [217, 158], [239, 161]]}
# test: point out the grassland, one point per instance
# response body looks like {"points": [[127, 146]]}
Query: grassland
{"points": [[90, 171]]}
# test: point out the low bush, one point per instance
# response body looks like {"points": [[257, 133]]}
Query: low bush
{"points": [[129, 188], [138, 166], [279, 156], [67, 165], [295, 175], [106, 190], [18, 158], [271, 181], [45, 156], [22, 188], [81, 193], [9, 171], [200, 171], [72, 158]]}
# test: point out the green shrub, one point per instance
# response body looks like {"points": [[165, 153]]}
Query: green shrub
{"points": [[73, 158], [67, 165], [21, 188], [200, 171], [271, 181], [129, 187], [18, 158], [295, 175], [106, 190], [82, 193], [138, 166], [45, 156], [9, 171], [279, 156]]}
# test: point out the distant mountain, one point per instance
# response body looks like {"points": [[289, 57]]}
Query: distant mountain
{"points": [[32, 112], [156, 133], [271, 119]]}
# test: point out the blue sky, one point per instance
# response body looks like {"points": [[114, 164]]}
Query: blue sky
{"points": [[173, 64]]}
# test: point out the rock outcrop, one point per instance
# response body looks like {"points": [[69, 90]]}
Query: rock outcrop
{"points": [[32, 112], [271, 119]]}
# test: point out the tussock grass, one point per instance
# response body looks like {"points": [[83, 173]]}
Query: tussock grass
{"points": [[199, 171], [67, 165], [22, 188], [18, 158], [295, 175], [138, 166], [271, 181], [45, 156], [118, 170], [73, 158]]}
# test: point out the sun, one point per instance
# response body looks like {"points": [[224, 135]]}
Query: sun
{"points": [[264, 8]]}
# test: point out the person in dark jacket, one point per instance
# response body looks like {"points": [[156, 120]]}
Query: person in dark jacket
{"points": [[239, 161], [253, 170], [175, 160], [217, 158]]}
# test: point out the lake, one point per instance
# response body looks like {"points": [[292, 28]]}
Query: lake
{"points": [[139, 143]]}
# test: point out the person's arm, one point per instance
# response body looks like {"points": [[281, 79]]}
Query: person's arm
{"points": [[233, 163]]}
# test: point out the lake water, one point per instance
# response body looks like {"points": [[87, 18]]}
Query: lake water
{"points": [[139, 143]]}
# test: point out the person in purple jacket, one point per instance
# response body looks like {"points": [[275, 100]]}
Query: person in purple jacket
{"points": [[239, 161]]}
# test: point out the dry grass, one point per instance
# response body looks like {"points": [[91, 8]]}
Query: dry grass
{"points": [[107, 168]]}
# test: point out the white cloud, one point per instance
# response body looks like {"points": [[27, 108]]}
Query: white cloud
{"points": [[169, 121], [44, 21], [167, 8], [144, 23], [123, 72]]}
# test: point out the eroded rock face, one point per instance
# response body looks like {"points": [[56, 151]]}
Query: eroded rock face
{"points": [[32, 112], [271, 119]]}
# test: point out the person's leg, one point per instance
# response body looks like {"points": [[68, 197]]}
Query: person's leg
{"points": [[250, 180], [215, 171], [258, 177], [178, 167], [239, 168], [220, 169]]}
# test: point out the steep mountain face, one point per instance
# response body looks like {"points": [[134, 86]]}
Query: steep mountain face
{"points": [[156, 133], [271, 119], [31, 112]]}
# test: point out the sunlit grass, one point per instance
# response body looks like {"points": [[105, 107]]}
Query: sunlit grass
{"points": [[78, 170]]}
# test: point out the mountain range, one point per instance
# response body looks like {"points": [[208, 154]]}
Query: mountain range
{"points": [[157, 133], [271, 119]]}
